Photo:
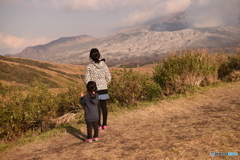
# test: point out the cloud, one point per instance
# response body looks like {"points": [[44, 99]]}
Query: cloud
{"points": [[11, 41], [143, 5], [200, 13], [83, 5], [19, 2], [208, 13], [133, 12], [147, 11], [11, 44], [32, 3]]}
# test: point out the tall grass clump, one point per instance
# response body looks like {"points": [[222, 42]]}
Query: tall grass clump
{"points": [[179, 73], [128, 87], [230, 68]]}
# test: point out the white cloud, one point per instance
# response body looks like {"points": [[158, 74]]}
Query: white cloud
{"points": [[79, 5], [155, 9], [19, 2], [84, 4], [134, 11], [11, 41], [208, 13], [12, 44]]}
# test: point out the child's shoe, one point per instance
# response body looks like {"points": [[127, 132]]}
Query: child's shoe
{"points": [[105, 127], [100, 128], [95, 139], [88, 140]]}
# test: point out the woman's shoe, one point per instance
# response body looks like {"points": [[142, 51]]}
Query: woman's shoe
{"points": [[105, 127], [100, 128], [88, 140], [95, 139]]}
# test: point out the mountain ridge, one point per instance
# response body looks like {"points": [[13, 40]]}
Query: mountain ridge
{"points": [[138, 44]]}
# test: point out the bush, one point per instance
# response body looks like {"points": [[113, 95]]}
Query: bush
{"points": [[230, 68], [68, 101], [179, 73], [3, 89], [26, 110], [128, 87]]}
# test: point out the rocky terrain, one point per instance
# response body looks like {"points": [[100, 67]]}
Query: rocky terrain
{"points": [[140, 44]]}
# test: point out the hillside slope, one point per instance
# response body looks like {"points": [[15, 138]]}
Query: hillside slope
{"points": [[139, 44], [185, 128], [20, 72]]}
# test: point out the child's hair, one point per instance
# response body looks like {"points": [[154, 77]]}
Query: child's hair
{"points": [[91, 87], [95, 55]]}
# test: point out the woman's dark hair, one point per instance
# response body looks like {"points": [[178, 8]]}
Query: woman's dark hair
{"points": [[91, 87], [95, 55]]}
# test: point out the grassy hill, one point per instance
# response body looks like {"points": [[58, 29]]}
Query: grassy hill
{"points": [[20, 72]]}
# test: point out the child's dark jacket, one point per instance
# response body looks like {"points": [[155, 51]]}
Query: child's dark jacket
{"points": [[90, 105]]}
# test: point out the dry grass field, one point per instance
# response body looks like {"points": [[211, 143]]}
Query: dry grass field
{"points": [[184, 128], [56, 72], [15, 70]]}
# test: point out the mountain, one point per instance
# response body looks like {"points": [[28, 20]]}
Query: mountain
{"points": [[139, 44], [47, 51]]}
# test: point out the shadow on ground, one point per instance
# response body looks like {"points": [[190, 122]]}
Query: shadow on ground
{"points": [[75, 132]]}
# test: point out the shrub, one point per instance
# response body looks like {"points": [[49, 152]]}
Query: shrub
{"points": [[178, 73], [230, 68], [128, 87], [27, 110], [24, 110], [3, 89], [68, 100], [11, 114]]}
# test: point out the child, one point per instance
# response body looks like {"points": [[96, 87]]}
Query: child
{"points": [[90, 104]]}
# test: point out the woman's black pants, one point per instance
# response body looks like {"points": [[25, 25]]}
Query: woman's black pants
{"points": [[102, 107]]}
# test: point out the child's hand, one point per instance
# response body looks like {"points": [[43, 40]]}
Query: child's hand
{"points": [[81, 94]]}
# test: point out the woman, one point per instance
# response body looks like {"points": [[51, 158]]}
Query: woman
{"points": [[98, 71]]}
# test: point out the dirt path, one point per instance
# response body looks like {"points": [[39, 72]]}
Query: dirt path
{"points": [[187, 128]]}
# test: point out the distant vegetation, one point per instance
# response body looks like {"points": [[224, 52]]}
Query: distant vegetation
{"points": [[25, 71], [133, 65], [27, 62], [24, 74], [28, 109]]}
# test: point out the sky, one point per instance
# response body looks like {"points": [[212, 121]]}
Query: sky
{"points": [[25, 23]]}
